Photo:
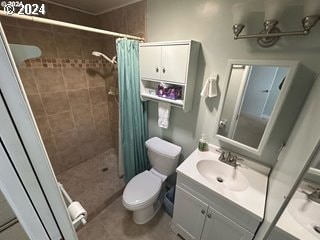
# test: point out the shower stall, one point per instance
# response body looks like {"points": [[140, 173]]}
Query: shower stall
{"points": [[72, 109], [67, 88]]}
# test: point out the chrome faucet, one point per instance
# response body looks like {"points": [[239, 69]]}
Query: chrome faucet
{"points": [[229, 158], [222, 156], [314, 196]]}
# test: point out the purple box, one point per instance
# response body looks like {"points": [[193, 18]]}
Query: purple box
{"points": [[171, 92]]}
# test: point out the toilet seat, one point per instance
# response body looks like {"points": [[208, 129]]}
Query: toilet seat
{"points": [[142, 190]]}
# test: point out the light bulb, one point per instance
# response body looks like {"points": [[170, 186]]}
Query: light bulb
{"points": [[274, 9], [240, 13], [311, 8]]}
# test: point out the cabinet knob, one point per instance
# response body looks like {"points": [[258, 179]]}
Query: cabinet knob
{"points": [[203, 211], [209, 215], [163, 69], [157, 69]]}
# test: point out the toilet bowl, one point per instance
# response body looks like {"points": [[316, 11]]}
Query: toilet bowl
{"points": [[141, 196], [145, 192]]}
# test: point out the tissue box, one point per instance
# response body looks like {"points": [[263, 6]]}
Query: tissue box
{"points": [[150, 91], [169, 91]]}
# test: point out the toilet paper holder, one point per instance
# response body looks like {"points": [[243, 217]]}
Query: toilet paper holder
{"points": [[79, 217]]}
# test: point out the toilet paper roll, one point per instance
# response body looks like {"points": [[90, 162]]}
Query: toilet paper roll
{"points": [[75, 209]]}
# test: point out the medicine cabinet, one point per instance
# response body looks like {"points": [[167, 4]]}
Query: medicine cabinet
{"points": [[260, 103]]}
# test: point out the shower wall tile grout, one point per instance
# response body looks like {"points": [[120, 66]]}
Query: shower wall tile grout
{"points": [[64, 63]]}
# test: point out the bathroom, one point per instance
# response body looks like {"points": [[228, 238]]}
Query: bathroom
{"points": [[84, 151]]}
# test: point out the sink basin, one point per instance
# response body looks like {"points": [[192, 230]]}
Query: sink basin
{"points": [[224, 175], [306, 213]]}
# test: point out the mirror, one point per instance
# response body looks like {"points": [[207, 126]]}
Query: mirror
{"points": [[250, 99], [260, 103]]}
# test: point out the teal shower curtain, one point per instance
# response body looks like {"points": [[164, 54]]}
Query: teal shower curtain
{"points": [[133, 112]]}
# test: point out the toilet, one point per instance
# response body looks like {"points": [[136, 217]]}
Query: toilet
{"points": [[145, 192]]}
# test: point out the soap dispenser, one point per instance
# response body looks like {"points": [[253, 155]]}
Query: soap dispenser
{"points": [[203, 144]]}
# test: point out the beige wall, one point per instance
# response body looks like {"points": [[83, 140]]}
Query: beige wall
{"points": [[67, 86], [210, 22], [131, 20]]}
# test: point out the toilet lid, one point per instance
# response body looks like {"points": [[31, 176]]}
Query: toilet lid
{"points": [[141, 189]]}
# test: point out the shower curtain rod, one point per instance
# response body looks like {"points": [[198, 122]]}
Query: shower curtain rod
{"points": [[69, 25]]}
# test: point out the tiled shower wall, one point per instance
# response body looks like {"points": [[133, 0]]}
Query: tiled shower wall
{"points": [[71, 109], [67, 86]]}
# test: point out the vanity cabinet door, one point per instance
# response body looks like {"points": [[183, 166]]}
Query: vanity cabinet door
{"points": [[218, 227], [174, 63], [168, 63], [189, 215], [150, 62]]}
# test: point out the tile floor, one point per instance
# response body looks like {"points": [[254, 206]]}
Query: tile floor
{"points": [[94, 183], [115, 223]]}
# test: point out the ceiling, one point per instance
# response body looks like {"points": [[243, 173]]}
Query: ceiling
{"points": [[94, 7]]}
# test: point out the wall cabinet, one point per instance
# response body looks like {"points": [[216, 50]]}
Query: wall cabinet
{"points": [[166, 63], [194, 220], [173, 63]]}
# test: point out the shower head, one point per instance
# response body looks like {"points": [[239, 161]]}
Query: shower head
{"points": [[99, 54]]}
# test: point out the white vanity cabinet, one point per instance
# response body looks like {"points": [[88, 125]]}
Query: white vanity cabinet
{"points": [[173, 63], [214, 200], [194, 220], [221, 228], [189, 214]]}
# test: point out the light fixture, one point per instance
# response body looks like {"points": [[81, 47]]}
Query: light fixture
{"points": [[271, 33], [240, 13]]}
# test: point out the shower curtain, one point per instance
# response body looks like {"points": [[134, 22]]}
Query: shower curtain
{"points": [[133, 112]]}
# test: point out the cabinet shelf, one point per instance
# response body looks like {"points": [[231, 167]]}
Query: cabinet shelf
{"points": [[161, 81], [177, 102]]}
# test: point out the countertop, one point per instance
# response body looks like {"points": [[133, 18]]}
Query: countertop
{"points": [[252, 199]]}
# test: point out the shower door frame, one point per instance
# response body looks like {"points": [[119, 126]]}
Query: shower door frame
{"points": [[17, 105], [18, 199]]}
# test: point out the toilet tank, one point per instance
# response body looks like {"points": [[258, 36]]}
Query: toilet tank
{"points": [[163, 155]]}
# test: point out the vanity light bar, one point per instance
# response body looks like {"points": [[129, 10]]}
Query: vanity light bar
{"points": [[271, 33]]}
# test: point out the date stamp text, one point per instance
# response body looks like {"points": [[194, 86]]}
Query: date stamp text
{"points": [[20, 8]]}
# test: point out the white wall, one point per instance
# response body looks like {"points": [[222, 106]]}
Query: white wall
{"points": [[261, 78], [231, 98], [274, 91], [210, 22]]}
